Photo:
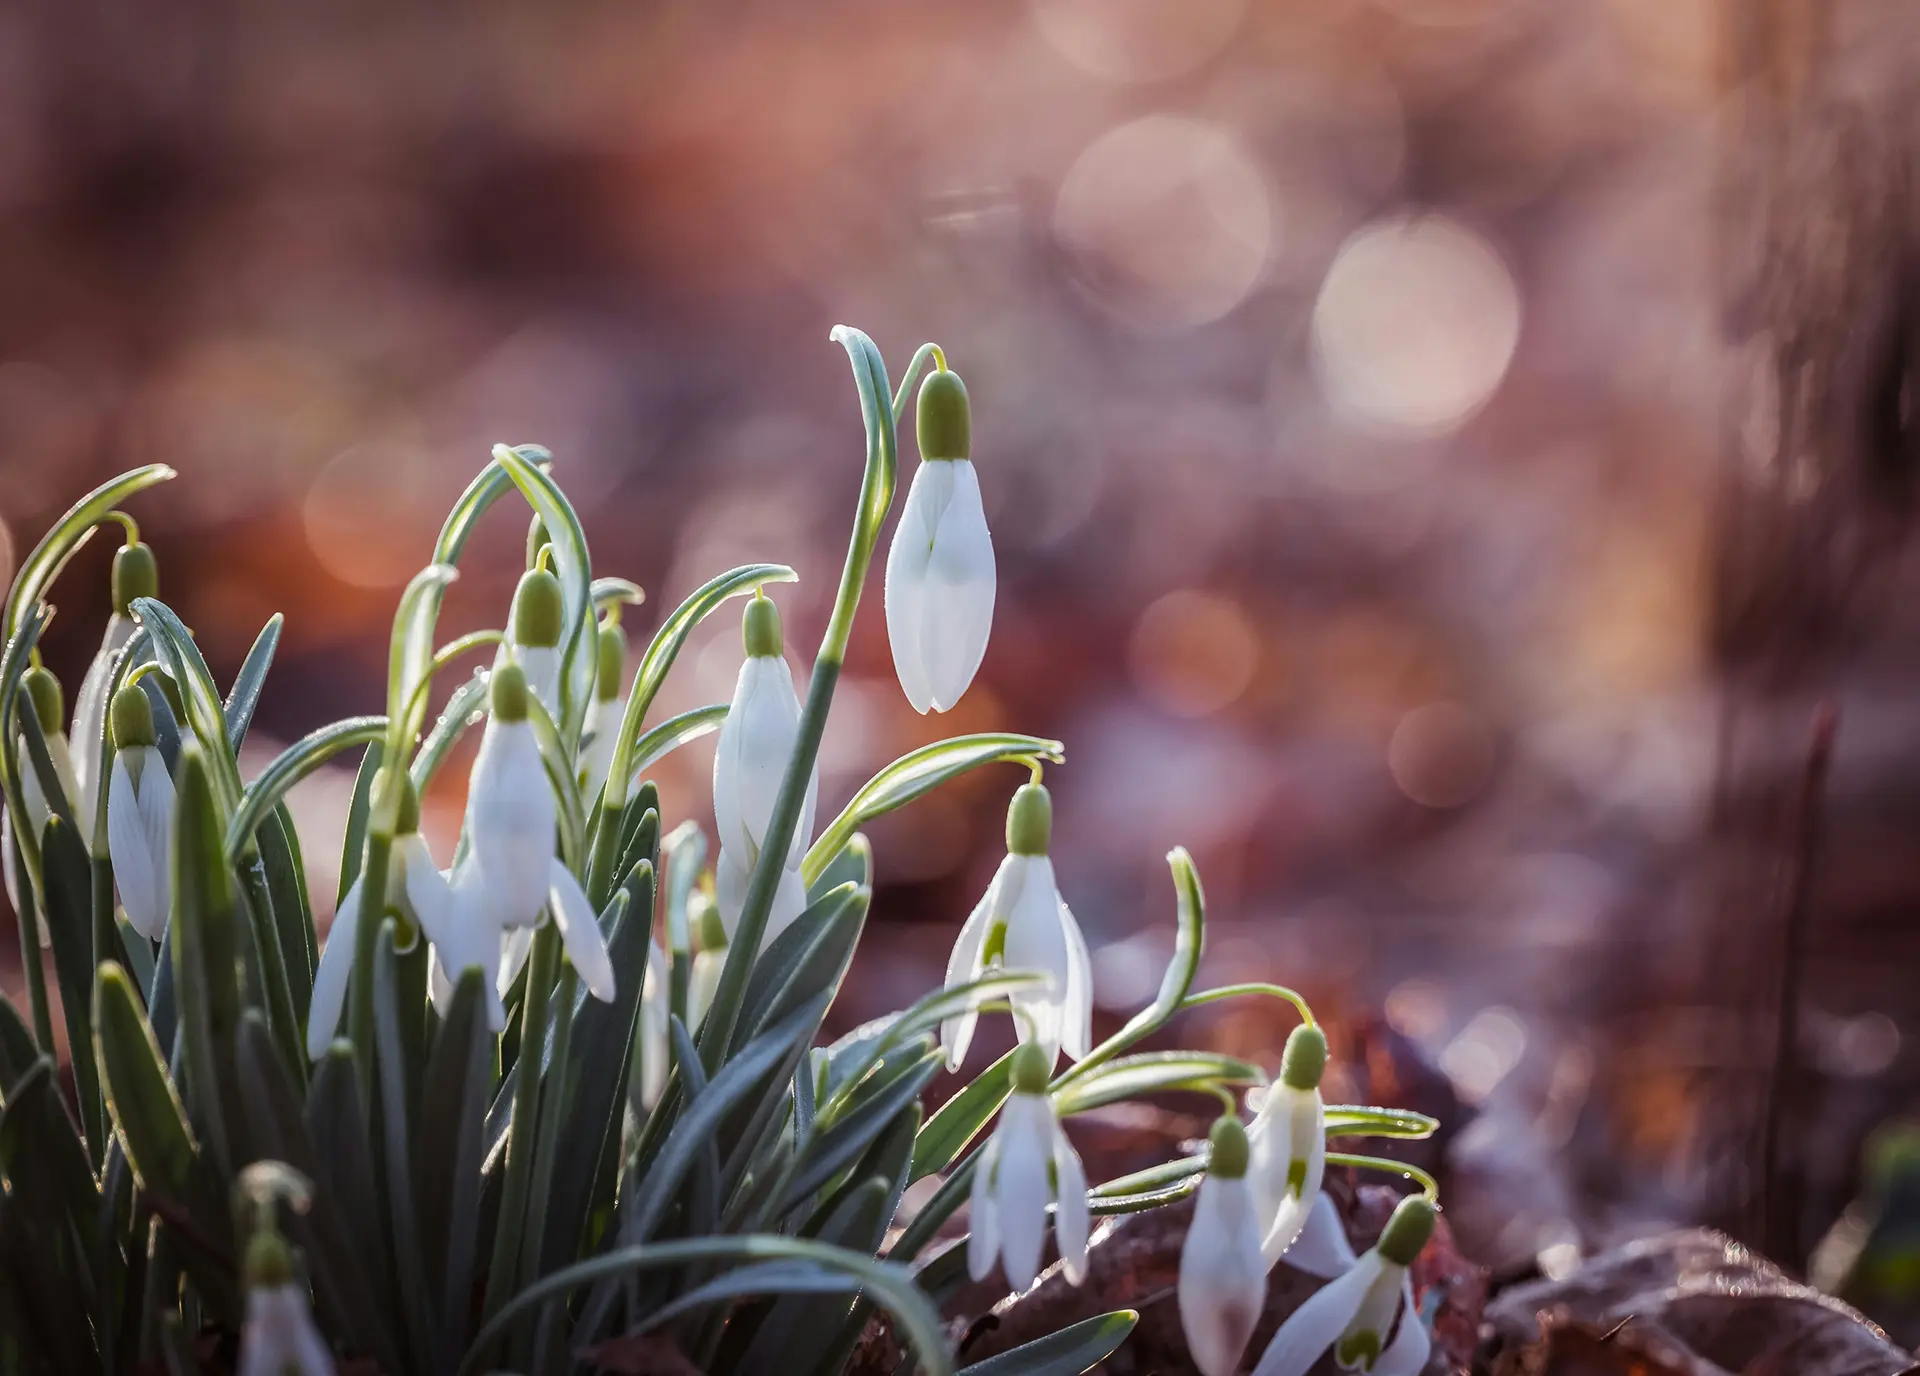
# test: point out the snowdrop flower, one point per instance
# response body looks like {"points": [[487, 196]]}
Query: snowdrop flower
{"points": [[1023, 924], [655, 1039], [710, 957], [940, 571], [603, 713], [1322, 1248], [1223, 1276], [279, 1337], [140, 815], [756, 741], [1289, 1142], [533, 634], [415, 888], [1027, 1164], [730, 885], [42, 689], [1354, 1315], [134, 575], [511, 819]]}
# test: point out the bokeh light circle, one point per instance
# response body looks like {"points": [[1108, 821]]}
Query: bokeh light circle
{"points": [[1441, 755], [1415, 325], [1169, 221], [372, 511], [1138, 40], [1193, 653]]}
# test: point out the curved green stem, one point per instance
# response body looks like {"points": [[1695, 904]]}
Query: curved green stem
{"points": [[1234, 991], [914, 368], [131, 526], [1428, 1185]]}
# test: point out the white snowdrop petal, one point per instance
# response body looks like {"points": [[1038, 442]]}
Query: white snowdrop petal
{"points": [[1223, 1284], [511, 823], [956, 1033], [983, 1217], [789, 901], [580, 934], [1316, 1325], [155, 798], [330, 976], [654, 1031], [1076, 1010], [1024, 1186], [1037, 941], [1321, 1247], [62, 759], [906, 582], [429, 897], [541, 665], [1072, 1219], [128, 847], [957, 611], [1407, 1354]]}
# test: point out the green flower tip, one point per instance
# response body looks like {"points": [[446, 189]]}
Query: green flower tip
{"points": [[943, 421], [760, 627], [135, 574], [1031, 1069], [43, 690], [612, 662], [132, 718], [537, 539], [1305, 1060], [709, 929], [269, 1262], [538, 609], [1030, 820], [508, 693], [1228, 1159], [407, 819], [1408, 1230]]}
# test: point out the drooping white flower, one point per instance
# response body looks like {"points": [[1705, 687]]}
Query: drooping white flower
{"points": [[709, 957], [757, 739], [1223, 1276], [1356, 1314], [1322, 1248], [730, 891], [140, 816], [1022, 923], [90, 709], [655, 1038], [135, 574], [421, 893], [471, 939], [602, 726], [1026, 1165], [1289, 1142], [511, 816], [580, 934], [940, 569], [42, 690], [279, 1337], [533, 633]]}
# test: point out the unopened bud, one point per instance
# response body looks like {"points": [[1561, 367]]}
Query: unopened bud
{"points": [[943, 421], [1030, 821]]}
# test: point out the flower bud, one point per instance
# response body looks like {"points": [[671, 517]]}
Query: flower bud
{"points": [[269, 1262], [1030, 821], [1228, 1157], [612, 661], [1305, 1060], [539, 610], [132, 718], [508, 694], [43, 690], [135, 574], [760, 628], [1032, 1068], [943, 421], [1408, 1230]]}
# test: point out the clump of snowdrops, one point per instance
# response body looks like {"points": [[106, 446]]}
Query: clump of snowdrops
{"points": [[563, 1084]]}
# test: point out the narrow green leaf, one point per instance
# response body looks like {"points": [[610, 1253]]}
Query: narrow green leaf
{"points": [[807, 959], [49, 1183], [655, 745], [148, 1116], [205, 954], [1074, 1349], [579, 642], [410, 648], [1354, 1120], [1190, 942], [359, 811], [68, 905], [837, 1147], [1155, 1072], [17, 1049], [890, 1285], [38, 569], [960, 1119], [174, 647], [853, 865], [343, 1173], [288, 768], [917, 773], [292, 913], [795, 1333], [390, 1056], [453, 1114], [244, 696]]}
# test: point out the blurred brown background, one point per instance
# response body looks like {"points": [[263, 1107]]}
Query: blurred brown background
{"points": [[1348, 404]]}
